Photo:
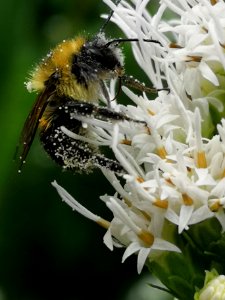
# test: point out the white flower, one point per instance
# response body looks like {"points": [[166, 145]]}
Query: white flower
{"points": [[175, 167], [214, 290], [142, 239], [214, 287]]}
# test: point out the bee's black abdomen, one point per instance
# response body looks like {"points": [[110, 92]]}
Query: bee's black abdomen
{"points": [[74, 154], [68, 152]]}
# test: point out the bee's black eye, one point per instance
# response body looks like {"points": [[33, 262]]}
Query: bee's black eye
{"points": [[102, 57]]}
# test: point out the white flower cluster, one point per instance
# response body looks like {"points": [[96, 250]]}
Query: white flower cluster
{"points": [[213, 289], [175, 175]]}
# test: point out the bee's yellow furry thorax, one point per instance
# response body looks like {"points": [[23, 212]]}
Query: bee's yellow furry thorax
{"points": [[60, 60]]}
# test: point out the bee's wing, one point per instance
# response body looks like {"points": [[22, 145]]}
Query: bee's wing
{"points": [[31, 124]]}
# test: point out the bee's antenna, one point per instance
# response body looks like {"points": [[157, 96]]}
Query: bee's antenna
{"points": [[122, 40], [118, 41], [109, 18]]}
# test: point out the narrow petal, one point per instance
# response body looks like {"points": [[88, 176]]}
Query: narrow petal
{"points": [[142, 256], [131, 249], [108, 241], [160, 244], [185, 215]]}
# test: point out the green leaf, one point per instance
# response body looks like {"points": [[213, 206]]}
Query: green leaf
{"points": [[177, 273]]}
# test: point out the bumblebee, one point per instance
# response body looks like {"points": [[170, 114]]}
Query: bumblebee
{"points": [[70, 81]]}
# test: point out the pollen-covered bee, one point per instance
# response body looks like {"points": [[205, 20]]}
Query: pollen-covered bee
{"points": [[70, 81]]}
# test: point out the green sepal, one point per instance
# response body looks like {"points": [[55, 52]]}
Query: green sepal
{"points": [[177, 273], [210, 241], [206, 232]]}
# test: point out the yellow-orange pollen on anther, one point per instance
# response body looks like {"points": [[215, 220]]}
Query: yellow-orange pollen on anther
{"points": [[103, 223], [140, 179], [169, 181], [201, 160], [175, 46], [126, 142], [146, 237], [213, 2], [187, 200], [195, 58], [161, 152], [215, 206], [223, 174], [151, 112], [161, 203], [222, 45]]}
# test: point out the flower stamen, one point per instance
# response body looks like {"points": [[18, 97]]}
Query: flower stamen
{"points": [[161, 203], [140, 179], [223, 174], [188, 201], [146, 237], [213, 2], [215, 206], [201, 160], [161, 152], [175, 46], [151, 113], [126, 142], [195, 58], [103, 223]]}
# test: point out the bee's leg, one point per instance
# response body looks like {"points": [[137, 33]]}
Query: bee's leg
{"points": [[130, 81], [105, 93], [87, 109], [75, 155], [110, 164], [118, 88]]}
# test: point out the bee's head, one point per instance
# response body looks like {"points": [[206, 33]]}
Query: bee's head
{"points": [[107, 55]]}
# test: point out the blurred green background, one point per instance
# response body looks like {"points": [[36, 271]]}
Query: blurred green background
{"points": [[46, 250]]}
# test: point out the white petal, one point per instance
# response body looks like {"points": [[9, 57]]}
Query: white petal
{"points": [[216, 164], [121, 214], [208, 74], [160, 244], [185, 215], [204, 177], [74, 204], [220, 215], [107, 239], [166, 120], [219, 189], [192, 82], [172, 216], [200, 215], [142, 256], [131, 249], [197, 193], [195, 40]]}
